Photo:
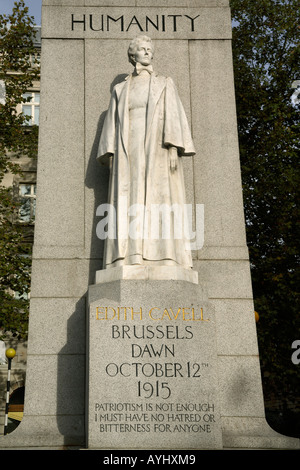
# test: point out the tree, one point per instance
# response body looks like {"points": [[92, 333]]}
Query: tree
{"points": [[266, 63], [17, 73]]}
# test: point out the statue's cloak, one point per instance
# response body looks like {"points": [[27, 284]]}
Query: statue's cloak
{"points": [[166, 126]]}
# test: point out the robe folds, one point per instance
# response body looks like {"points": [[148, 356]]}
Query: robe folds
{"points": [[166, 126]]}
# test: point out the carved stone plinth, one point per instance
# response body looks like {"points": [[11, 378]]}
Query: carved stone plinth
{"points": [[152, 358]]}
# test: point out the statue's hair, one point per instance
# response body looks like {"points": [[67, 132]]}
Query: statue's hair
{"points": [[134, 44]]}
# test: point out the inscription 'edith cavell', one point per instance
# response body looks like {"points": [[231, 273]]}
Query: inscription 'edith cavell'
{"points": [[155, 313], [135, 23]]}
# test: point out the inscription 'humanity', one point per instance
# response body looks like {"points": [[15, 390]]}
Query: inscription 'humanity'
{"points": [[163, 23]]}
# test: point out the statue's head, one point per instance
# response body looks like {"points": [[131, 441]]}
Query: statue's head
{"points": [[141, 50]]}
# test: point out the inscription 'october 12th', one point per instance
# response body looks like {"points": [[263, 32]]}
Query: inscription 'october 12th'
{"points": [[156, 22]]}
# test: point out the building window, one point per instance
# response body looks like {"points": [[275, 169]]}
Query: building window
{"points": [[27, 193], [32, 108]]}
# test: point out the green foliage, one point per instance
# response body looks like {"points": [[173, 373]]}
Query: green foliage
{"points": [[266, 57], [17, 71], [15, 265]]}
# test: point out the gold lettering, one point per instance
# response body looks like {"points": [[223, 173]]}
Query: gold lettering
{"points": [[127, 313], [201, 316], [136, 313], [106, 313], [166, 314], [122, 315], [175, 316], [184, 313], [99, 313], [150, 313]]}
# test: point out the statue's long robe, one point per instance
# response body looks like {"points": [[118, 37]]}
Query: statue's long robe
{"points": [[166, 126]]}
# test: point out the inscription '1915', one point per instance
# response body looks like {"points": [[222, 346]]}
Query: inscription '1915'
{"points": [[163, 23]]}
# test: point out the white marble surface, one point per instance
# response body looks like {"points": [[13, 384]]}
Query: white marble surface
{"points": [[146, 132]]}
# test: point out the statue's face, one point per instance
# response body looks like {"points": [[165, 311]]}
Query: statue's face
{"points": [[144, 53]]}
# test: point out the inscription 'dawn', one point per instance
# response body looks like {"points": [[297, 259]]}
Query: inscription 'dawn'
{"points": [[162, 23]]}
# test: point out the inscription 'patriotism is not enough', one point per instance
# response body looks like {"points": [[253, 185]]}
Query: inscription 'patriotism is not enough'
{"points": [[133, 23]]}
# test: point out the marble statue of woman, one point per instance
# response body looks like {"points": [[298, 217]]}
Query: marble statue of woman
{"points": [[146, 133]]}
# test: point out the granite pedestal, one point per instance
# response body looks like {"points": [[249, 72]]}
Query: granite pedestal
{"points": [[152, 367]]}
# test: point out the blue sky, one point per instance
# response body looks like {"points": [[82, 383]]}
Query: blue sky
{"points": [[34, 6]]}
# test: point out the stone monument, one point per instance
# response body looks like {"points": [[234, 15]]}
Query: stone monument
{"points": [[152, 341], [151, 351]]}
